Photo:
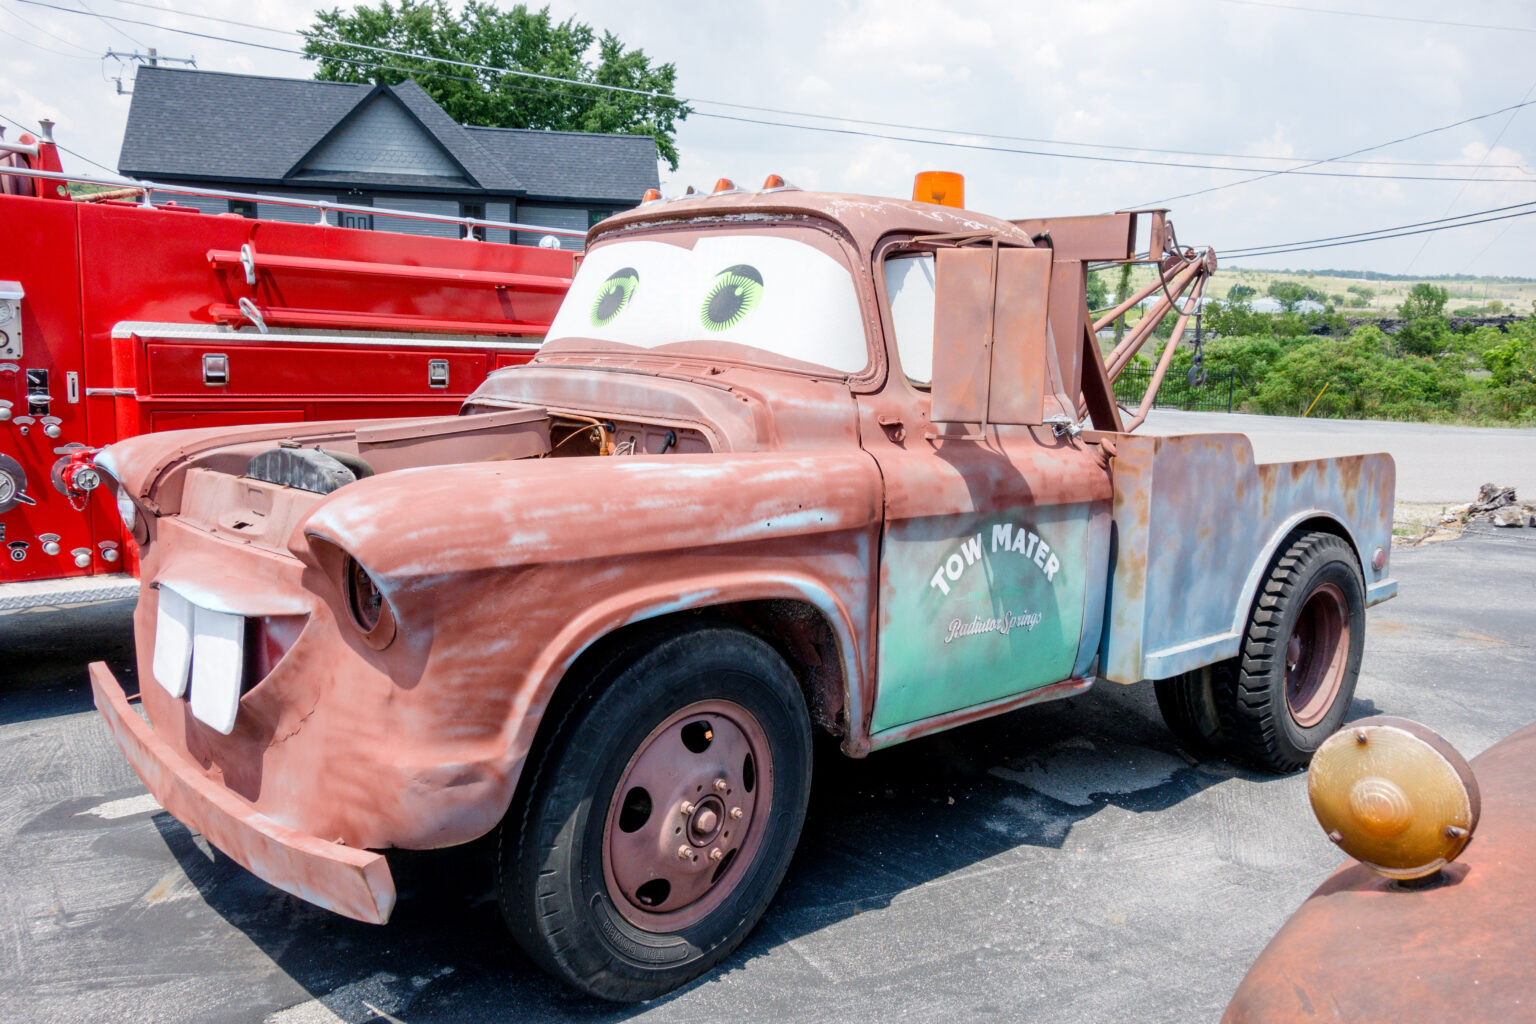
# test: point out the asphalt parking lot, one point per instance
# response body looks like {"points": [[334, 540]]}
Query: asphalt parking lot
{"points": [[1066, 863]]}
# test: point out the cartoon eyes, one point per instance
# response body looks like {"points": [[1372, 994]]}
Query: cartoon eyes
{"points": [[731, 296], [614, 295], [734, 293]]}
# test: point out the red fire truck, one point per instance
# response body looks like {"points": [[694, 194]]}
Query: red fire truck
{"points": [[123, 313]]}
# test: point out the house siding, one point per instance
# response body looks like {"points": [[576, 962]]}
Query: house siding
{"points": [[417, 204], [571, 217], [382, 139]]}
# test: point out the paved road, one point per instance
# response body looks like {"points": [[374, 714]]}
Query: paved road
{"points": [[1434, 463], [1065, 863]]}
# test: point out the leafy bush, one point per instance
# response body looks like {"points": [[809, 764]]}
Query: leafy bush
{"points": [[1426, 331], [1363, 378]]}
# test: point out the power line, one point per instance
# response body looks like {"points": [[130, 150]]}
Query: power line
{"points": [[35, 131], [1381, 238], [1302, 168], [1266, 172], [40, 46], [1360, 234], [109, 24], [1108, 159], [798, 113], [53, 35], [1377, 17], [687, 100], [1463, 190]]}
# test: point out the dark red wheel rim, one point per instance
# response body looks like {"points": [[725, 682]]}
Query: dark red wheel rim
{"points": [[687, 816], [1316, 655]]}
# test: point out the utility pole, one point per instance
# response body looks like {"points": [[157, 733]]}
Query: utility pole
{"points": [[151, 59]]}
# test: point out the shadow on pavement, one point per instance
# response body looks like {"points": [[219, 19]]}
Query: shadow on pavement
{"points": [[876, 828], [52, 646]]}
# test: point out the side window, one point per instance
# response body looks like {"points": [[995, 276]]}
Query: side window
{"points": [[909, 283]]}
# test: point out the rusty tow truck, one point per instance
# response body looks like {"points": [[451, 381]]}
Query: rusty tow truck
{"points": [[788, 461]]}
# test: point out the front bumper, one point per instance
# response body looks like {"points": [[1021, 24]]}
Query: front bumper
{"points": [[354, 883]]}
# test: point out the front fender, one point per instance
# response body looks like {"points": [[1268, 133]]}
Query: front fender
{"points": [[436, 522], [500, 575]]}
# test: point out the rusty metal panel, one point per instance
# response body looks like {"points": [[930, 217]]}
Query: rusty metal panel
{"points": [[962, 335], [1363, 948], [353, 882], [1109, 236], [1019, 336], [1196, 521], [1068, 313]]}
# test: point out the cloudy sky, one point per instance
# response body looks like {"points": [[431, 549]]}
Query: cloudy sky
{"points": [[1246, 80]]}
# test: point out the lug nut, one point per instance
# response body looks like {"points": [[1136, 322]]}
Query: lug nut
{"points": [[683, 852], [715, 854], [720, 786], [685, 808], [735, 813]]}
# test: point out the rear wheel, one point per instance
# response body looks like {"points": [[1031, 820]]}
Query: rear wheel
{"points": [[1295, 677], [1188, 705], [661, 816]]}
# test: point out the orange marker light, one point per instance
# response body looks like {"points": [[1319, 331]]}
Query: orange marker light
{"points": [[946, 188], [725, 185], [651, 195], [773, 181]]}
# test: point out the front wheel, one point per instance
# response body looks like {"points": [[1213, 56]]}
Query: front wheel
{"points": [[1295, 676], [661, 816]]}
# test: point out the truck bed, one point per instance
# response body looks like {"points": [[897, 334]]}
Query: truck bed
{"points": [[1196, 522]]}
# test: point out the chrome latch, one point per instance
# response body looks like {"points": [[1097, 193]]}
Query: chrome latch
{"points": [[215, 369], [437, 373], [1064, 426]]}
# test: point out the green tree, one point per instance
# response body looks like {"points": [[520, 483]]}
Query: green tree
{"points": [[1425, 330], [1098, 291], [1423, 300], [1290, 293], [1511, 363], [516, 39], [1362, 292], [1241, 293]]}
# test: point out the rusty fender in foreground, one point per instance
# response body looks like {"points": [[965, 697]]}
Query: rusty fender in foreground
{"points": [[1363, 948]]}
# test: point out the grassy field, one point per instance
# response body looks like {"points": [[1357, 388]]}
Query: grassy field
{"points": [[1518, 296]]}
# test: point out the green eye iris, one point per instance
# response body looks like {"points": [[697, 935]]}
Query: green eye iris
{"points": [[614, 295], [734, 293]]}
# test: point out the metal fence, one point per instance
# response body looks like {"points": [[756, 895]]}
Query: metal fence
{"points": [[1212, 395]]}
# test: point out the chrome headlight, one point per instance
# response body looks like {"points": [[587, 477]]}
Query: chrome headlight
{"points": [[365, 601], [127, 509]]}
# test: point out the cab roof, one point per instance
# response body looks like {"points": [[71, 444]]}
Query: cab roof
{"points": [[865, 218]]}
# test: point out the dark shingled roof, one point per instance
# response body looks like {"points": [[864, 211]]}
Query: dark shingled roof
{"points": [[212, 126], [582, 165]]}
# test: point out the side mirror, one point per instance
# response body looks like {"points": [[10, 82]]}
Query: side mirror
{"points": [[990, 335]]}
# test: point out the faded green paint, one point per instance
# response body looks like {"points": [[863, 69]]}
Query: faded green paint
{"points": [[1009, 620]]}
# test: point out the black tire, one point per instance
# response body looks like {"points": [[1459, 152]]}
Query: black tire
{"points": [[1295, 677], [1188, 705], [557, 868]]}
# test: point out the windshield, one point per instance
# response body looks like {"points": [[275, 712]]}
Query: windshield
{"points": [[750, 295]]}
